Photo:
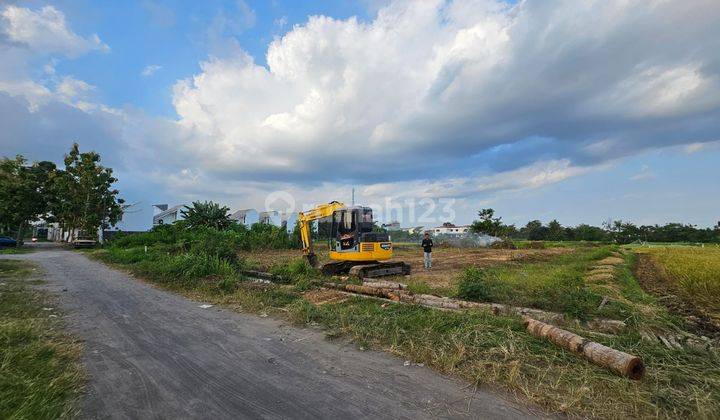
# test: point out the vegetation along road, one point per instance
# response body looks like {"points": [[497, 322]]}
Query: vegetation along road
{"points": [[150, 353]]}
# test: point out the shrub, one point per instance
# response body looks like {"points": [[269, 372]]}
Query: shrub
{"points": [[478, 284], [294, 271], [504, 243], [223, 245]]}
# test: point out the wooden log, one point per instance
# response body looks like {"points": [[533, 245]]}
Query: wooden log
{"points": [[619, 362], [383, 284], [259, 274], [431, 301], [365, 290]]}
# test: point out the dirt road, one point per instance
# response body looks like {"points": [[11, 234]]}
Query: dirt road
{"points": [[154, 354]]}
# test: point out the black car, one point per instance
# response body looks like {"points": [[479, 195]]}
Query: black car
{"points": [[6, 242]]}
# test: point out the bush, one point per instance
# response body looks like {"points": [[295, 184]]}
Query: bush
{"points": [[504, 243], [480, 285], [223, 245], [295, 271]]}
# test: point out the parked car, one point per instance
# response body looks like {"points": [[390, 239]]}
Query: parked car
{"points": [[84, 242], [6, 242]]}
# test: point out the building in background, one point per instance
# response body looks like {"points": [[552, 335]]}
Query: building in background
{"points": [[246, 217], [450, 229], [394, 225], [166, 216]]}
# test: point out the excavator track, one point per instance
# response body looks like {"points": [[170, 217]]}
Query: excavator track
{"points": [[366, 269]]}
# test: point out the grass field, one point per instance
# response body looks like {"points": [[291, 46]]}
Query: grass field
{"points": [[484, 349], [690, 271], [39, 370]]}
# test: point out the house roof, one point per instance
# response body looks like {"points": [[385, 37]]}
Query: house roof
{"points": [[240, 214], [171, 210]]}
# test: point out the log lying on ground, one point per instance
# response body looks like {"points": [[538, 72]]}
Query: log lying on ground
{"points": [[259, 274], [384, 284], [432, 301], [391, 294], [620, 362]]}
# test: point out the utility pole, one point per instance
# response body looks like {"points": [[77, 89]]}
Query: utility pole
{"points": [[353, 196]]}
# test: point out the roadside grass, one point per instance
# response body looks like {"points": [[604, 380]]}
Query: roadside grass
{"points": [[695, 272], [487, 350], [40, 374], [15, 251], [497, 351]]}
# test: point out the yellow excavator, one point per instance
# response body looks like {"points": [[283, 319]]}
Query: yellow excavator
{"points": [[354, 248]]}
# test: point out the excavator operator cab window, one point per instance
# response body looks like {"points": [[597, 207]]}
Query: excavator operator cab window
{"points": [[347, 229], [366, 220]]}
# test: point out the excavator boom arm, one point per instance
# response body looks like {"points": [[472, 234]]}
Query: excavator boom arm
{"points": [[306, 218]]}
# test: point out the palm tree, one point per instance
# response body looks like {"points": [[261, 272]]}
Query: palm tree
{"points": [[208, 214]]}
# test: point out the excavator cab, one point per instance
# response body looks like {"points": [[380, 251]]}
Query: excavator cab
{"points": [[352, 230], [354, 247]]}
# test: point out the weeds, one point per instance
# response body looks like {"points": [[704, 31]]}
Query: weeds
{"points": [[555, 285], [39, 370]]}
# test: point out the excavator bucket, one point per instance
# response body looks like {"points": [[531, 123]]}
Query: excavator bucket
{"points": [[312, 260]]}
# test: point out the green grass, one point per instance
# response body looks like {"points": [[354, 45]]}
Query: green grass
{"points": [[40, 375], [695, 271], [15, 251], [555, 285]]}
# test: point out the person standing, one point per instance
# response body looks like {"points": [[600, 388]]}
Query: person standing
{"points": [[427, 245]]}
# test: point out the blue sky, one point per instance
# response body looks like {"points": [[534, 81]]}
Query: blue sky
{"points": [[177, 35], [575, 111]]}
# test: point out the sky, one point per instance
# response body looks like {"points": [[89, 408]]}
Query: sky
{"points": [[582, 112]]}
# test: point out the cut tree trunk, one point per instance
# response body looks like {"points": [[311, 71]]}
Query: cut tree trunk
{"points": [[620, 362]]}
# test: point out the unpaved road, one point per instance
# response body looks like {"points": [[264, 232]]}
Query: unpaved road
{"points": [[154, 354]]}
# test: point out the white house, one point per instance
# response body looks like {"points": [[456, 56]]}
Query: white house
{"points": [[270, 218], [450, 229], [167, 216], [246, 217]]}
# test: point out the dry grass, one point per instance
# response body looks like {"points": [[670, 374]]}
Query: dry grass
{"points": [[691, 272], [695, 270]]}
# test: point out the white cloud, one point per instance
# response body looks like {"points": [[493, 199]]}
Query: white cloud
{"points": [[150, 70], [431, 99], [46, 30], [644, 174], [281, 22], [441, 82]]}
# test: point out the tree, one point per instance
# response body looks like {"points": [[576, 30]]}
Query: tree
{"points": [[83, 196], [625, 233], [488, 224], [208, 214], [584, 232], [23, 193], [535, 231], [555, 231]]}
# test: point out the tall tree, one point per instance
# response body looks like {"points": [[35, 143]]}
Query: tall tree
{"points": [[535, 231], [24, 193], [555, 231], [490, 225], [84, 197]]}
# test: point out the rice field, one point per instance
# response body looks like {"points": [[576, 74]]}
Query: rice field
{"points": [[694, 271]]}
